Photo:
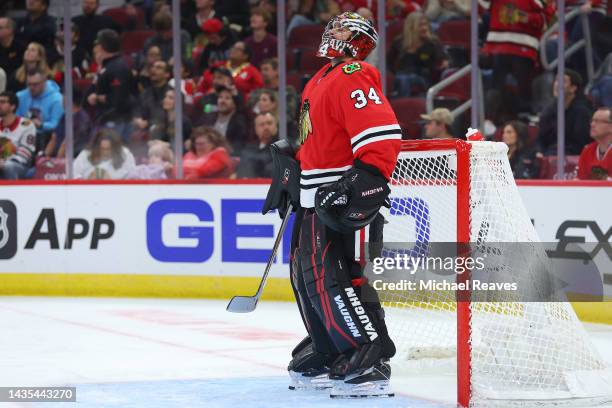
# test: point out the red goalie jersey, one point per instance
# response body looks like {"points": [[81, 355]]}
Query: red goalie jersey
{"points": [[344, 116]]}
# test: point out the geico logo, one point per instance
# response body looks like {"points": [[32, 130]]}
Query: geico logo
{"points": [[418, 209], [567, 239], [185, 230], [45, 229]]}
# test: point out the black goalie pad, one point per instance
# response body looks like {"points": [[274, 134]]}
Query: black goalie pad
{"points": [[285, 185], [352, 202]]}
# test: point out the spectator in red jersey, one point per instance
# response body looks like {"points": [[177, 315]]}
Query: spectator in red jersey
{"points": [[515, 28], [416, 56], [246, 77], [208, 156], [80, 56], [596, 158], [524, 160], [261, 43]]}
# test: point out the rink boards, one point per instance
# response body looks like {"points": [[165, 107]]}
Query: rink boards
{"points": [[208, 240]]}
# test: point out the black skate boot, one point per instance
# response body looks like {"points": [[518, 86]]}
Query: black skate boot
{"points": [[309, 369], [368, 380]]}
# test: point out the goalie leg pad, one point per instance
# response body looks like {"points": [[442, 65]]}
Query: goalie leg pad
{"points": [[328, 271]]}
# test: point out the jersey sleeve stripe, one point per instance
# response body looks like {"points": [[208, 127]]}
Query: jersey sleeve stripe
{"points": [[395, 127], [322, 172], [373, 139], [320, 180]]}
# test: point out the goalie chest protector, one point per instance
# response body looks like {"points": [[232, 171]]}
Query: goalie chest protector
{"points": [[344, 116]]}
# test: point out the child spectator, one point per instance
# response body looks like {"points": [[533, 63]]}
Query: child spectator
{"points": [[416, 56], [595, 161], [105, 158], [524, 160], [208, 156], [160, 163]]}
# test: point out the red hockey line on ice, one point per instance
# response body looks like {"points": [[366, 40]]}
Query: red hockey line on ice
{"points": [[145, 338]]}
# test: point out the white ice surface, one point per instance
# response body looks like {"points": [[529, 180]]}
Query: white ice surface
{"points": [[179, 353]]}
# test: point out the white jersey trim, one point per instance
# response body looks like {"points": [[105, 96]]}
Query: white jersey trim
{"points": [[516, 38], [376, 139]]}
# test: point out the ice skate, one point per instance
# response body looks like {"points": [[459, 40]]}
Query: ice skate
{"points": [[370, 382]]}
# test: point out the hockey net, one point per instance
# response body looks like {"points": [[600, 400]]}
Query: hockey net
{"points": [[506, 352]]}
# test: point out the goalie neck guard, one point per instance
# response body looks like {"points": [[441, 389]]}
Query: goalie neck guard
{"points": [[348, 35]]}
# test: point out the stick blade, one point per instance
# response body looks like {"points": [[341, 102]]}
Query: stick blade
{"points": [[242, 304]]}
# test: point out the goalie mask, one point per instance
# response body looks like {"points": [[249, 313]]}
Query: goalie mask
{"points": [[348, 35]]}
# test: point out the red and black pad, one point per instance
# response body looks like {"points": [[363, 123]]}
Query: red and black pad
{"points": [[327, 268]]}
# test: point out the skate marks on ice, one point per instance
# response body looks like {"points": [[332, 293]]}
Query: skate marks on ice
{"points": [[268, 392]]}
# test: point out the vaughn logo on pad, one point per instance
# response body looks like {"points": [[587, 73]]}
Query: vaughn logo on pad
{"points": [[8, 229]]}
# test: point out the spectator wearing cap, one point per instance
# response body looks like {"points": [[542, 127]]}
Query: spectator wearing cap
{"points": [[218, 44], [247, 78], [595, 161], [578, 111], [112, 95], [37, 26], [227, 120], [162, 24], [256, 159], [204, 11], [221, 78], [261, 43], [11, 48], [90, 23], [438, 124], [80, 56]]}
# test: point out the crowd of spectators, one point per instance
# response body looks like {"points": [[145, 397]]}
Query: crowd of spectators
{"points": [[124, 99]]}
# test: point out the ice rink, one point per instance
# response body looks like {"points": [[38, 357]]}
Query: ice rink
{"points": [[179, 353]]}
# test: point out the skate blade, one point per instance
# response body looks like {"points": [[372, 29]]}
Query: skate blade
{"points": [[371, 389], [301, 382]]}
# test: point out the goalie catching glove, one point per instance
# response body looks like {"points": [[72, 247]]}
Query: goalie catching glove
{"points": [[285, 185], [352, 202]]}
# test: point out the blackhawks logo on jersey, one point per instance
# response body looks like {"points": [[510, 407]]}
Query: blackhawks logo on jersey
{"points": [[350, 68], [305, 125]]}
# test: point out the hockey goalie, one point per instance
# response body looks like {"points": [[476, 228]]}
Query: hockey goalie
{"points": [[349, 141]]}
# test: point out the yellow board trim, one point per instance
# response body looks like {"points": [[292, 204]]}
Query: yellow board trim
{"points": [[183, 286]]}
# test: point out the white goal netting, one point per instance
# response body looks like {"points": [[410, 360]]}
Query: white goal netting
{"points": [[521, 352]]}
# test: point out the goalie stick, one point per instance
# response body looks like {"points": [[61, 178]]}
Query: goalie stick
{"points": [[246, 304]]}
